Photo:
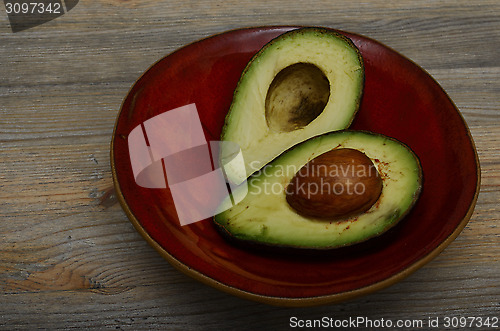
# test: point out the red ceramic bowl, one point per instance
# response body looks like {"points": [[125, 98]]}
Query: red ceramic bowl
{"points": [[400, 100]]}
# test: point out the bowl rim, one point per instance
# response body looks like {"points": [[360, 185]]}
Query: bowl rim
{"points": [[288, 301]]}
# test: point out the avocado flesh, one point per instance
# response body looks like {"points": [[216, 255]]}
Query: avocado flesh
{"points": [[316, 75], [265, 217]]}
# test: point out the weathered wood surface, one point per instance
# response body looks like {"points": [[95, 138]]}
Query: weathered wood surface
{"points": [[68, 255]]}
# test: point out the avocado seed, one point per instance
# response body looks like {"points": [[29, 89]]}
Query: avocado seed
{"points": [[340, 183]]}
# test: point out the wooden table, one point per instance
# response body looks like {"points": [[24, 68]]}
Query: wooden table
{"points": [[69, 257]]}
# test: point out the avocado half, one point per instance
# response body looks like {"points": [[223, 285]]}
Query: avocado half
{"points": [[265, 217], [301, 84]]}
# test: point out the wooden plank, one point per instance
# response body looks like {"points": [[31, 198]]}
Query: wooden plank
{"points": [[68, 255]]}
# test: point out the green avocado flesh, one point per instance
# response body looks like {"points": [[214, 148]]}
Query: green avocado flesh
{"points": [[265, 217], [304, 83]]}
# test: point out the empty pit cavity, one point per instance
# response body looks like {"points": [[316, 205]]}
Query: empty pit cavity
{"points": [[297, 95]]}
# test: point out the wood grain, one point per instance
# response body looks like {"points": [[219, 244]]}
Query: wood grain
{"points": [[68, 255]]}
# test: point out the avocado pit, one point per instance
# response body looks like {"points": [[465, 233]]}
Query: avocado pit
{"points": [[297, 95], [338, 184]]}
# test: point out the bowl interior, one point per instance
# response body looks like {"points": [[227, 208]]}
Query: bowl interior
{"points": [[400, 100]]}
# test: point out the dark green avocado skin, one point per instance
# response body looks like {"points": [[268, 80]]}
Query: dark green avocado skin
{"points": [[307, 253]]}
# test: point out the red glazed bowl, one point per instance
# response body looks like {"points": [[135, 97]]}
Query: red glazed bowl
{"points": [[400, 100]]}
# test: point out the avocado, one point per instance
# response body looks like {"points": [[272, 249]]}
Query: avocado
{"points": [[301, 84], [266, 216]]}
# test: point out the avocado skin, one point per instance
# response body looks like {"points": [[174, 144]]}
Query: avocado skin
{"points": [[361, 244], [295, 252]]}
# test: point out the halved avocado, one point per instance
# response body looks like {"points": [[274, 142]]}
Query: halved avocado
{"points": [[303, 83], [265, 217]]}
